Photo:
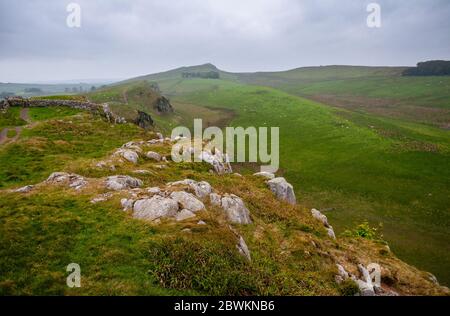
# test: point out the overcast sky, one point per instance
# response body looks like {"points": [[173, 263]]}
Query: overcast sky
{"points": [[121, 39]]}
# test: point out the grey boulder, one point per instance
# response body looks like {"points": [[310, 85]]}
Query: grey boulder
{"points": [[188, 201], [117, 183], [155, 208], [235, 209], [282, 189]]}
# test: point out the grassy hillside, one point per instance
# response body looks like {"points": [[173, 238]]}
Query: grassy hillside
{"points": [[53, 143], [11, 119], [376, 90], [365, 167], [125, 98], [53, 225]]}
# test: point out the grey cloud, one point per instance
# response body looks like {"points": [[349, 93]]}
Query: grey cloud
{"points": [[127, 38]]}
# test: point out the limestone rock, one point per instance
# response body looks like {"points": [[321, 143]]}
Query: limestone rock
{"points": [[282, 190], [135, 146], [117, 183], [153, 155], [74, 181], [141, 171], [155, 208], [365, 289], [264, 174], [154, 190], [201, 189], [243, 249], [24, 189], [184, 214], [320, 217], [101, 198], [188, 201], [235, 209], [128, 155], [127, 204], [215, 199], [218, 160], [330, 232], [341, 272]]}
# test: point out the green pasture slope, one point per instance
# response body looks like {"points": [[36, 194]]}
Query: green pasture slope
{"points": [[376, 90], [364, 167]]}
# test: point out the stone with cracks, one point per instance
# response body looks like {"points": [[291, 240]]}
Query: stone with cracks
{"points": [[235, 209], [188, 201], [155, 208]]}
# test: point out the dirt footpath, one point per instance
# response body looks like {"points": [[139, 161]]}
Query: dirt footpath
{"points": [[24, 115]]}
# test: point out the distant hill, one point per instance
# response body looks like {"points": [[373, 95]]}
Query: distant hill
{"points": [[379, 90], [306, 74], [177, 73]]}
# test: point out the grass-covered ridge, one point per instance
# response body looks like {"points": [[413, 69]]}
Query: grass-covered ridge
{"points": [[365, 167], [42, 231], [57, 141]]}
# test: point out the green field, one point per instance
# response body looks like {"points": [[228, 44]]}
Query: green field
{"points": [[376, 90], [388, 169]]}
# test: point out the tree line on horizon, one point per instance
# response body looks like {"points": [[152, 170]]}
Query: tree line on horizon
{"points": [[204, 75], [429, 68]]}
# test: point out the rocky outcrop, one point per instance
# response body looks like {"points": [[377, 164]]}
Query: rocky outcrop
{"points": [[324, 220], [143, 120], [201, 189], [218, 160], [188, 201], [163, 105], [235, 209], [282, 190], [128, 155], [232, 205], [74, 181], [156, 207], [243, 249], [320, 217], [183, 215], [117, 183]]}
